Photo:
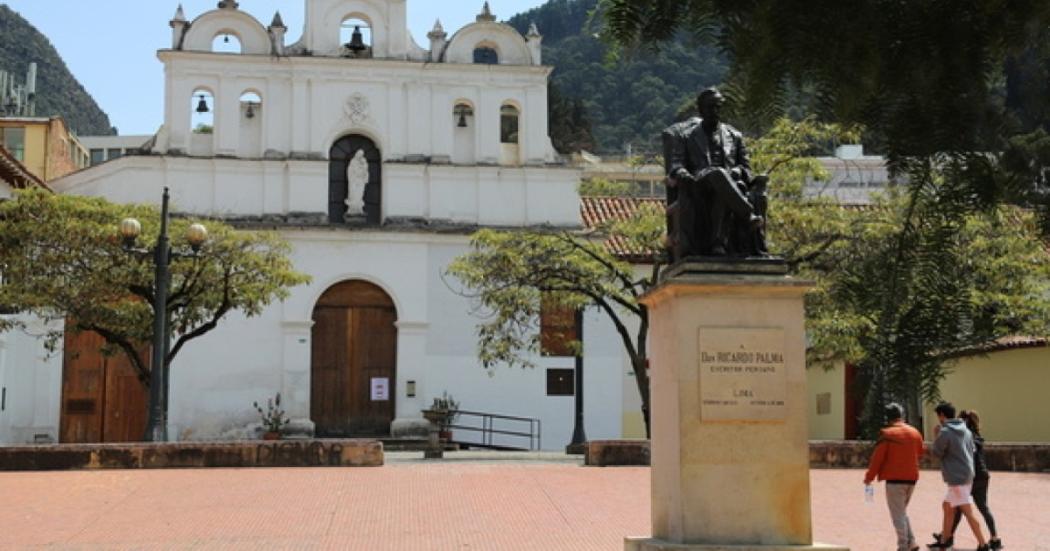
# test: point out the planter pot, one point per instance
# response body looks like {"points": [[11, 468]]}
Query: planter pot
{"points": [[271, 436]]}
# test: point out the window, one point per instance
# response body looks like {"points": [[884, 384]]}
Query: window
{"points": [[14, 141], [486, 56], [557, 329], [561, 382], [508, 124], [824, 404], [98, 156]]}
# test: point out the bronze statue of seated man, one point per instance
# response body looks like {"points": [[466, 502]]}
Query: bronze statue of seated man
{"points": [[719, 205]]}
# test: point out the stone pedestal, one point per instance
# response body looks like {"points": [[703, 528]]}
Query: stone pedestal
{"points": [[730, 456]]}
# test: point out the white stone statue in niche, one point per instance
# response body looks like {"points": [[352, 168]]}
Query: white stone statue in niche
{"points": [[357, 176]]}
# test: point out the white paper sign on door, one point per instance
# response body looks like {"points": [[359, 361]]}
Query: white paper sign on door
{"points": [[380, 389]]}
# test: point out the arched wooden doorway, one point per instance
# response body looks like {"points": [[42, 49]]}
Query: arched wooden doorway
{"points": [[353, 359], [341, 168]]}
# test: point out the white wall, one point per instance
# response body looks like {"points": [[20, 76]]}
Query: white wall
{"points": [[310, 102], [217, 377], [495, 196], [32, 378]]}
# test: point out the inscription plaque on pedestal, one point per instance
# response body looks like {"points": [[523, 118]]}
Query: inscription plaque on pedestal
{"points": [[742, 374]]}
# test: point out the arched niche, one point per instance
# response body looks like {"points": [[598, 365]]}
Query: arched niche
{"points": [[253, 36], [355, 181], [502, 38]]}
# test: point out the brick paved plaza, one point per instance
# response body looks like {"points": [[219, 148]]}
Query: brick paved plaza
{"points": [[408, 505]]}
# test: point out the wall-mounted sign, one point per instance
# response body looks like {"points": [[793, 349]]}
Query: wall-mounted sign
{"points": [[380, 389]]}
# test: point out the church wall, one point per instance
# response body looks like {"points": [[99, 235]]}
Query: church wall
{"points": [[217, 377], [32, 379], [407, 108], [484, 195]]}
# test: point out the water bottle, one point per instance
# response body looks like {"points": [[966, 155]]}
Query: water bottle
{"points": [[869, 494]]}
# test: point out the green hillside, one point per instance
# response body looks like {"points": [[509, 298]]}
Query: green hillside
{"points": [[58, 91], [627, 102]]}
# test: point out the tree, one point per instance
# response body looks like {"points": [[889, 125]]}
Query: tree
{"points": [[926, 79], [908, 285], [510, 273], [62, 259]]}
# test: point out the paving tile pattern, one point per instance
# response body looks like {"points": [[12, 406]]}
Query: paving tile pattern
{"points": [[415, 506]]}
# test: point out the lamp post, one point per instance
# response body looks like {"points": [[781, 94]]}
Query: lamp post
{"points": [[578, 446], [130, 230]]}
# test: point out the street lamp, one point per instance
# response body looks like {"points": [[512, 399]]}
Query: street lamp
{"points": [[578, 446], [197, 235]]}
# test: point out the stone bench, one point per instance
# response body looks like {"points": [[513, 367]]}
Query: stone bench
{"points": [[609, 453], [1032, 458]]}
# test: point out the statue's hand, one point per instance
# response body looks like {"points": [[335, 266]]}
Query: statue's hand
{"points": [[682, 176]]}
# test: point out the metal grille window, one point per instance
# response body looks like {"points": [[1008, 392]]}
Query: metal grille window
{"points": [[486, 56], [561, 382], [509, 124]]}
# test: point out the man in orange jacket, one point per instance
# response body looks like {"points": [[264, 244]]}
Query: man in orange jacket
{"points": [[896, 461]]}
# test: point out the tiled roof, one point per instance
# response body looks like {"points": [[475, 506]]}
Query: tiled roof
{"points": [[600, 211], [15, 173], [1014, 342]]}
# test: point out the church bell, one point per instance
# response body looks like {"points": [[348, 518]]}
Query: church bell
{"points": [[202, 105], [357, 41]]}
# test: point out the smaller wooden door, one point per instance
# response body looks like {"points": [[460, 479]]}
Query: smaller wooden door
{"points": [[354, 349], [102, 398]]}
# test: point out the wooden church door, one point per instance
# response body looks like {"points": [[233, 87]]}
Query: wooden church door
{"points": [[353, 361], [102, 398]]}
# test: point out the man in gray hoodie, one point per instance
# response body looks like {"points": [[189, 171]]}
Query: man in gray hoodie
{"points": [[954, 446]]}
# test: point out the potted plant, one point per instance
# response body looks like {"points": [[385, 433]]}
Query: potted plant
{"points": [[443, 412], [273, 418]]}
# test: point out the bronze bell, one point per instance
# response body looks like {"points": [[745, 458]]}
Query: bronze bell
{"points": [[202, 106], [462, 119], [357, 41]]}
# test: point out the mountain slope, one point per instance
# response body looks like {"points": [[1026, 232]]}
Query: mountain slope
{"points": [[58, 91], [627, 102]]}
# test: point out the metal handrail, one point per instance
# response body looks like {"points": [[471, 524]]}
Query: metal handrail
{"points": [[488, 430]]}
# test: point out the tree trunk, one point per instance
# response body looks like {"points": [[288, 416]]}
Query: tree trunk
{"points": [[641, 378]]}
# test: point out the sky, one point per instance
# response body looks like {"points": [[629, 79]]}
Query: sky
{"points": [[111, 45]]}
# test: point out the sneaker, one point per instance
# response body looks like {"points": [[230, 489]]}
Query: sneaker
{"points": [[984, 547], [996, 544]]}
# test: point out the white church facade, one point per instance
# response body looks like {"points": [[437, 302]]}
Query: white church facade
{"points": [[376, 158]]}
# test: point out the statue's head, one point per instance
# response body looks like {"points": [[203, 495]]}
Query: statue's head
{"points": [[709, 103]]}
